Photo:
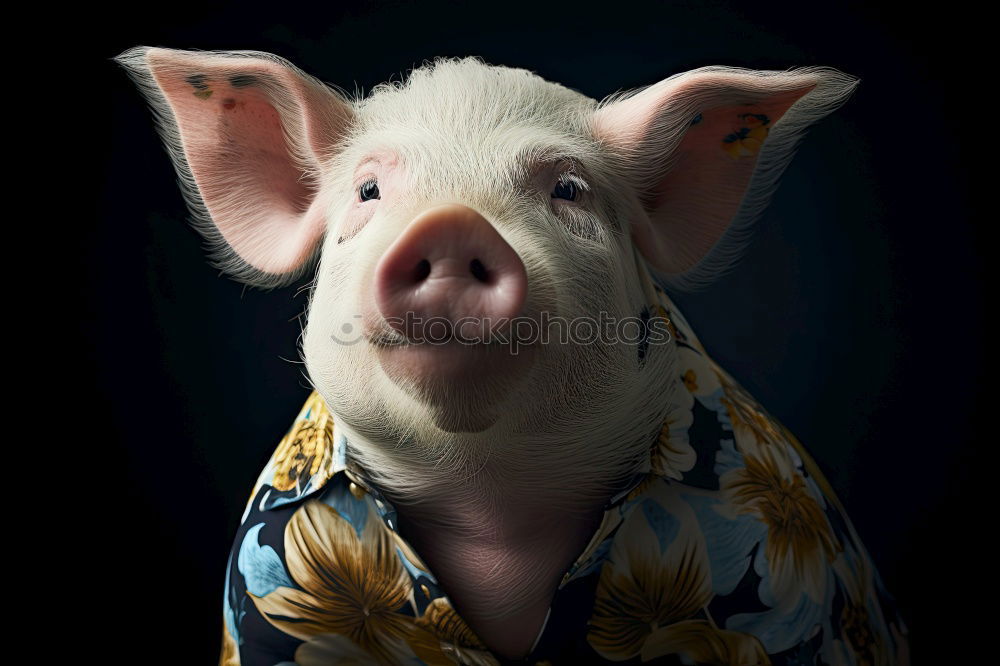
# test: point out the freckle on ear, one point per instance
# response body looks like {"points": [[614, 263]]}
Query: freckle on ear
{"points": [[197, 81], [242, 80]]}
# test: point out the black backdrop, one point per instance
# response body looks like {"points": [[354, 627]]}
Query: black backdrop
{"points": [[857, 317]]}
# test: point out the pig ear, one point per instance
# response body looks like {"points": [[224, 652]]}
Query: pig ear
{"points": [[249, 134], [705, 149]]}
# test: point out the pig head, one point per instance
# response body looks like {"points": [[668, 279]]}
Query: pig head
{"points": [[486, 201]]}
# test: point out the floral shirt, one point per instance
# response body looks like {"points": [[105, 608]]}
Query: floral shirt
{"points": [[731, 548]]}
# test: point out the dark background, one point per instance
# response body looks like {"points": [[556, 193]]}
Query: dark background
{"points": [[857, 317]]}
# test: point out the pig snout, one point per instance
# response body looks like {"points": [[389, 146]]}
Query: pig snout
{"points": [[450, 274]]}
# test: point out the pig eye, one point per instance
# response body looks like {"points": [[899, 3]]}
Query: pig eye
{"points": [[565, 189], [369, 190], [569, 187]]}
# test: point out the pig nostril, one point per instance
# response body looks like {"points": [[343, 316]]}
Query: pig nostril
{"points": [[479, 271], [422, 271]]}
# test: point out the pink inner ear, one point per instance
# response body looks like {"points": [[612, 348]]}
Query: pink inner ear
{"points": [[254, 189], [698, 198]]}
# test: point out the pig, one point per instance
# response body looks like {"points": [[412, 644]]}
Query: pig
{"points": [[516, 449]]}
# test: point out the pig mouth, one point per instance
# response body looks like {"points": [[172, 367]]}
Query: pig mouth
{"points": [[381, 336], [385, 340], [451, 370]]}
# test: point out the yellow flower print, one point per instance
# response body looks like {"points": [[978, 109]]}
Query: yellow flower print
{"points": [[855, 572], [230, 655], [644, 593], [656, 578], [813, 469], [672, 453], [691, 380], [856, 625], [306, 449], [769, 485], [695, 373], [351, 588], [452, 636], [335, 649], [744, 410], [663, 314], [800, 542], [701, 641]]}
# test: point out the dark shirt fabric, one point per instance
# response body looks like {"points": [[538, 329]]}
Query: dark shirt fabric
{"points": [[729, 548]]}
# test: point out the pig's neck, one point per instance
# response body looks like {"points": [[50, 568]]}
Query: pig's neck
{"points": [[500, 564], [494, 517], [500, 537], [502, 581]]}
